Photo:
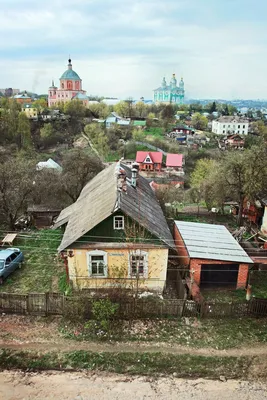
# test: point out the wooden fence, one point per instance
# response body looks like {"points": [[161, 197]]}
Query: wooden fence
{"points": [[32, 303], [58, 304]]}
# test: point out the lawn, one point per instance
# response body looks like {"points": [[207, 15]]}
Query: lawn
{"points": [[42, 270], [156, 132]]}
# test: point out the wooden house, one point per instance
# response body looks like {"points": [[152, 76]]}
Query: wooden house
{"points": [[116, 234]]}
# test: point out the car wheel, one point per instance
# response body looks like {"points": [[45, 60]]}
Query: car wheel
{"points": [[1, 280]]}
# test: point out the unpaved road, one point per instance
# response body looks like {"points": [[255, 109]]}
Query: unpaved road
{"points": [[84, 386]]}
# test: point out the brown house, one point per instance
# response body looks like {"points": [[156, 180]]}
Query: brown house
{"points": [[212, 255]]}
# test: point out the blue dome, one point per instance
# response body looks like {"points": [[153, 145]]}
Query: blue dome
{"points": [[70, 74]]}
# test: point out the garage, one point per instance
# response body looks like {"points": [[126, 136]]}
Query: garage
{"points": [[213, 256], [219, 275]]}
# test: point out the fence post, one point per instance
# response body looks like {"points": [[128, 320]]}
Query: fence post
{"points": [[46, 304], [202, 309]]}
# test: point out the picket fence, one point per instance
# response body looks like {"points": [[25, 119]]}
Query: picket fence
{"points": [[59, 304]]}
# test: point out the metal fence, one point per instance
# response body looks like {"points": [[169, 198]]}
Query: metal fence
{"points": [[58, 304]]}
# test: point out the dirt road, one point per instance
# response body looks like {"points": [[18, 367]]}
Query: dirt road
{"points": [[84, 386]]}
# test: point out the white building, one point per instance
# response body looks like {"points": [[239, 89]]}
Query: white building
{"points": [[229, 125]]}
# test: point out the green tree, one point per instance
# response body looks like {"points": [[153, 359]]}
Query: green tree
{"points": [[213, 107], [24, 132], [202, 170], [122, 109], [199, 122], [100, 110], [75, 109], [47, 131], [140, 109], [195, 107], [40, 104]]}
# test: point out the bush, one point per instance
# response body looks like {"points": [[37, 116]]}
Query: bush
{"points": [[103, 312]]}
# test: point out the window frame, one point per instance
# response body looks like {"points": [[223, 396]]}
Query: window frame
{"points": [[99, 253], [138, 253], [114, 222]]}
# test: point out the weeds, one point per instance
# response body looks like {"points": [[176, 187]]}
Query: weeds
{"points": [[132, 363]]}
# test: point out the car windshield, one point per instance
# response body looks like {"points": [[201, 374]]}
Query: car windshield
{"points": [[2, 264]]}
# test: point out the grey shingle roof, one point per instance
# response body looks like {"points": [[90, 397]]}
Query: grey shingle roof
{"points": [[100, 198], [211, 242]]}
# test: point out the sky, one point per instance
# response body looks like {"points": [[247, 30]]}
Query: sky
{"points": [[123, 48]]}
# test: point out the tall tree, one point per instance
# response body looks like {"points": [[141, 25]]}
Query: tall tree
{"points": [[140, 109], [122, 109], [199, 122], [79, 168], [24, 132], [16, 188]]}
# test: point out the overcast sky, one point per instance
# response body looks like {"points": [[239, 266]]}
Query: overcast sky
{"points": [[123, 48]]}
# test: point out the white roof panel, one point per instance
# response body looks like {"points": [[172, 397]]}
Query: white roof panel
{"points": [[211, 242]]}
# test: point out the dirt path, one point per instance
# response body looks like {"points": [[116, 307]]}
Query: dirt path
{"points": [[85, 386], [141, 347]]}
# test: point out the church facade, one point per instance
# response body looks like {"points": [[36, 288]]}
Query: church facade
{"points": [[170, 93], [70, 88]]}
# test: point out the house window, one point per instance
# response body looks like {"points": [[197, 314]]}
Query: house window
{"points": [[118, 222], [238, 126], [244, 126], [223, 126], [138, 264], [97, 263], [148, 160], [243, 132], [223, 131]]}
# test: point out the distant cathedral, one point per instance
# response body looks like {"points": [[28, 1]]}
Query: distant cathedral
{"points": [[170, 93], [70, 88]]}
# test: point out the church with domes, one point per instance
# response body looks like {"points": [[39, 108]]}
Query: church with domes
{"points": [[70, 88], [170, 93]]}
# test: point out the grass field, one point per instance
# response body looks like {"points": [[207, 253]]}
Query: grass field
{"points": [[42, 270]]}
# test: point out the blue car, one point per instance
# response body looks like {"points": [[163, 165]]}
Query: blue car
{"points": [[10, 260]]}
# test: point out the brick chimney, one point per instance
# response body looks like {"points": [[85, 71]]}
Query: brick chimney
{"points": [[121, 174]]}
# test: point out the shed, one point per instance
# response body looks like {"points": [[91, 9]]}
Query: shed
{"points": [[213, 256], [42, 216]]}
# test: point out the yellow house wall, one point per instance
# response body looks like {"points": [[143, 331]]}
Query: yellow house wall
{"points": [[264, 222], [30, 112], [118, 264]]}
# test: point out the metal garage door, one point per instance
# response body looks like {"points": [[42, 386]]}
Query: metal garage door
{"points": [[219, 275]]}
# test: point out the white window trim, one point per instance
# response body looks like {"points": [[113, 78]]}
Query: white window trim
{"points": [[148, 160], [138, 253], [105, 258], [114, 225]]}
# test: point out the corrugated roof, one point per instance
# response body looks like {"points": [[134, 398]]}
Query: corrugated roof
{"points": [[211, 242], [174, 160], [100, 198], [156, 156]]}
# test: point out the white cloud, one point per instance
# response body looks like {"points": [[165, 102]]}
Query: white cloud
{"points": [[123, 48]]}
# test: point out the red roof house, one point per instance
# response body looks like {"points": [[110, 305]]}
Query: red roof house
{"points": [[175, 161], [149, 161]]}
